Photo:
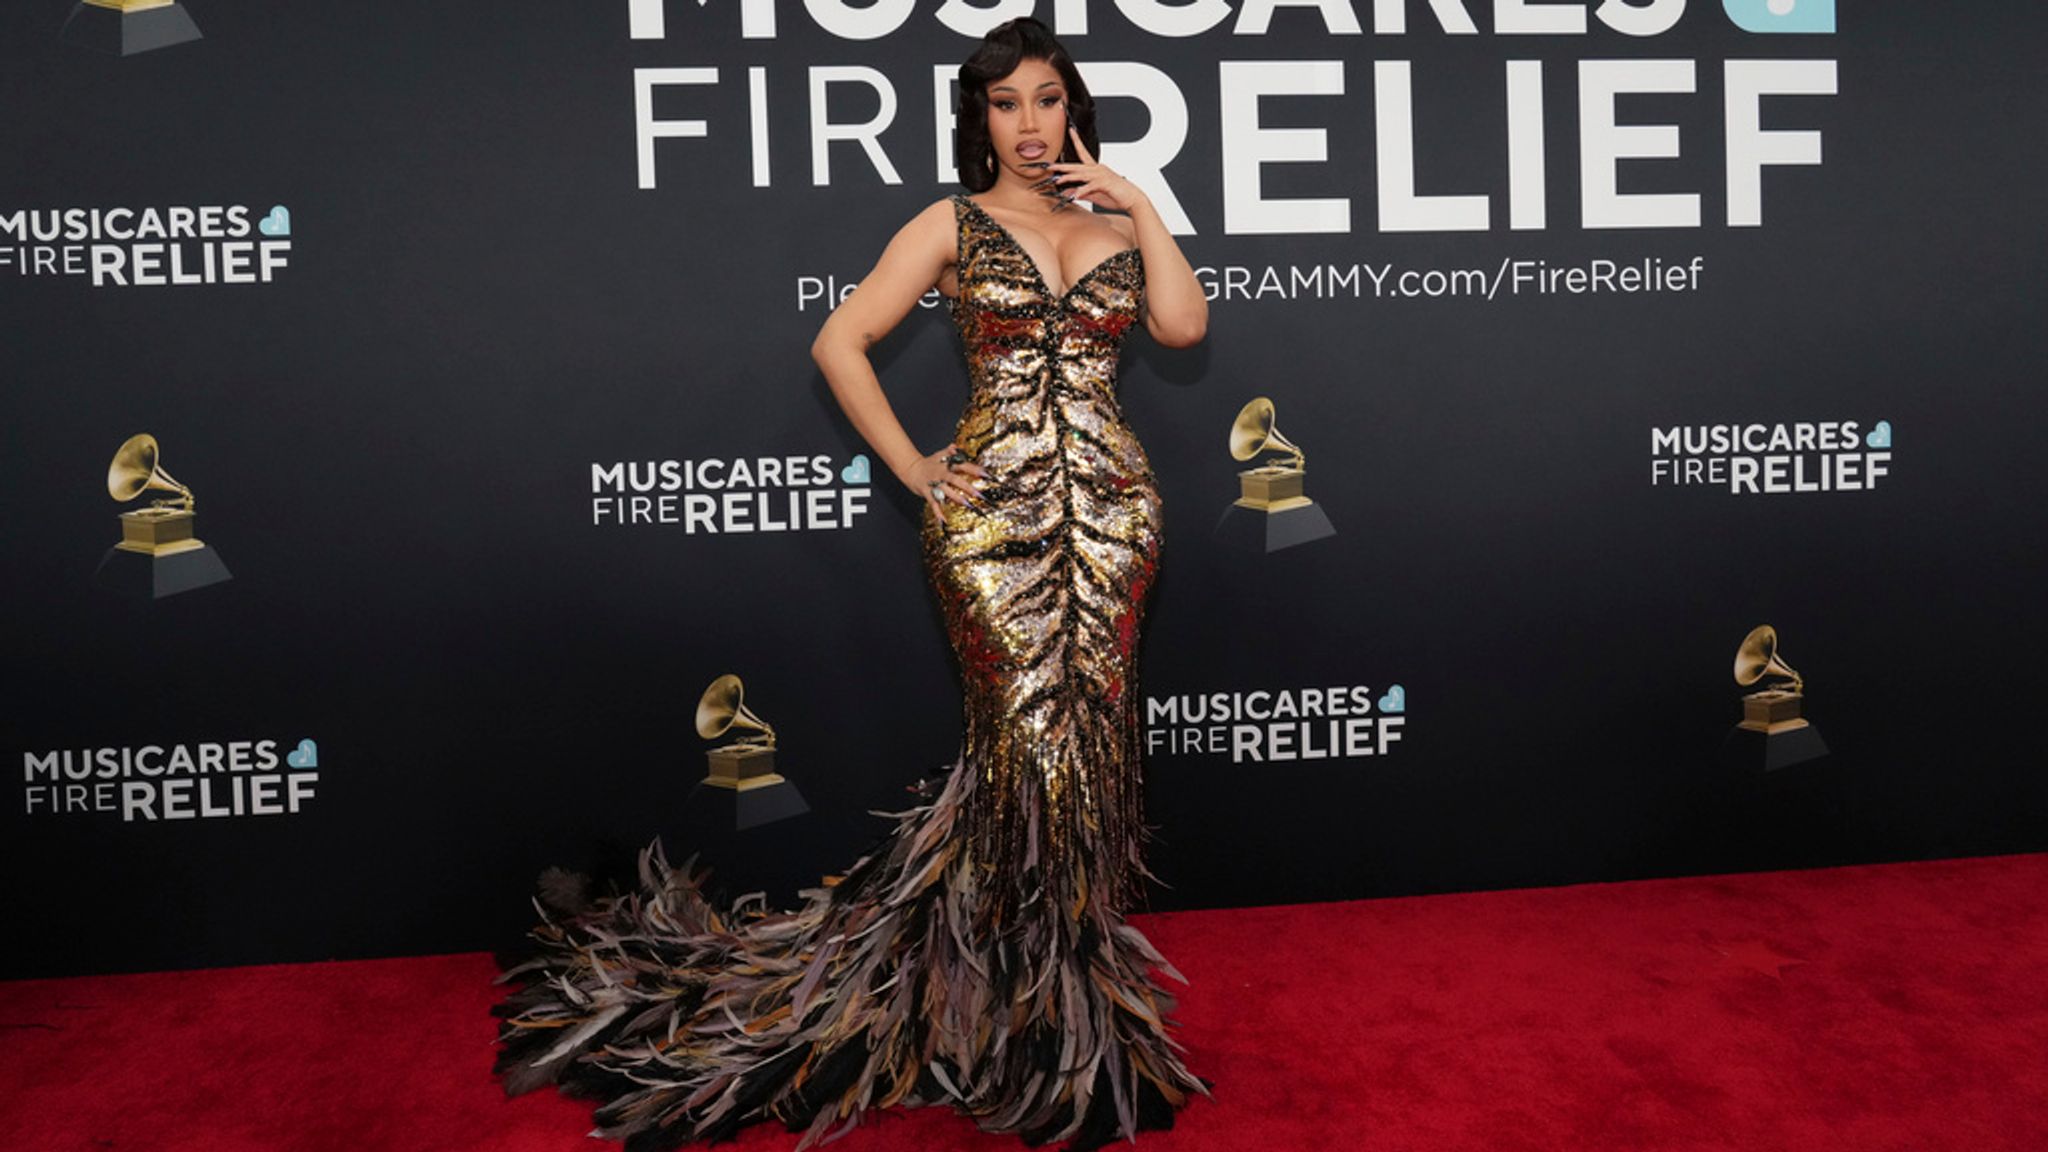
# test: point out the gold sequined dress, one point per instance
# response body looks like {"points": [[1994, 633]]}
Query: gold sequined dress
{"points": [[979, 956]]}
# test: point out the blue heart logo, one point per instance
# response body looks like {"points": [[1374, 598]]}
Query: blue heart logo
{"points": [[856, 470], [1781, 15], [306, 755], [278, 223], [1880, 436], [1396, 699]]}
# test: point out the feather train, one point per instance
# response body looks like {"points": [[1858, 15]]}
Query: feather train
{"points": [[691, 1022]]}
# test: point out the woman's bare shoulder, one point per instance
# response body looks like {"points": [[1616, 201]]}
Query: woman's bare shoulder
{"points": [[932, 228], [936, 216]]}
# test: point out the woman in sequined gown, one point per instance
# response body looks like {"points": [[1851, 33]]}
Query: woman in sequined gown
{"points": [[979, 956]]}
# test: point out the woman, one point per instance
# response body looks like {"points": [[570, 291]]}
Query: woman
{"points": [[979, 956]]}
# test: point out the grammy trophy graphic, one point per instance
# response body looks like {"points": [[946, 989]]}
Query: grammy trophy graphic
{"points": [[158, 555], [1772, 734], [1272, 511], [742, 781], [126, 27]]}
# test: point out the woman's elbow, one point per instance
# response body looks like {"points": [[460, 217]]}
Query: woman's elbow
{"points": [[1182, 332], [823, 346]]}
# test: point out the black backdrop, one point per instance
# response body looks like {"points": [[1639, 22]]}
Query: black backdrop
{"points": [[394, 442]]}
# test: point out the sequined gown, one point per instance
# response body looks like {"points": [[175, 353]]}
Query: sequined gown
{"points": [[978, 956]]}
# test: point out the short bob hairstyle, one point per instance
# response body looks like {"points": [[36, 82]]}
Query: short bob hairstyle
{"points": [[1005, 46]]}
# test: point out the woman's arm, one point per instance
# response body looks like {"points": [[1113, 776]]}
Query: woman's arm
{"points": [[1176, 311], [914, 260]]}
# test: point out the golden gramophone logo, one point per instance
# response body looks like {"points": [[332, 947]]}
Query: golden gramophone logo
{"points": [[1772, 729], [744, 768], [1272, 510], [1270, 487], [126, 27], [159, 553]]}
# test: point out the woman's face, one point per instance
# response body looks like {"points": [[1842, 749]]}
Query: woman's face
{"points": [[1027, 119]]}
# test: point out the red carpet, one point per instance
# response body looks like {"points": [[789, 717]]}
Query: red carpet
{"points": [[1882, 1008]]}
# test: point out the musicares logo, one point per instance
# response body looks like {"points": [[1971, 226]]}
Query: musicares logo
{"points": [[1278, 725], [719, 90], [147, 247], [1773, 459], [169, 782], [719, 496]]}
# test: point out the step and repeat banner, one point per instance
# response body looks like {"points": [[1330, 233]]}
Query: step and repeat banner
{"points": [[1616, 450]]}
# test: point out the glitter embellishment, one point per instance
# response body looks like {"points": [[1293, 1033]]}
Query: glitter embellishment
{"points": [[1043, 588]]}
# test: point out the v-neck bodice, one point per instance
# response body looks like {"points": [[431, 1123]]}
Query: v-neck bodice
{"points": [[1019, 336], [1004, 234]]}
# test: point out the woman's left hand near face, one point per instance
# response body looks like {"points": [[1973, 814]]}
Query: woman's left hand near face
{"points": [[1091, 181]]}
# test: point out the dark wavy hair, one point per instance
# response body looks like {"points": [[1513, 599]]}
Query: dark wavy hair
{"points": [[1007, 45]]}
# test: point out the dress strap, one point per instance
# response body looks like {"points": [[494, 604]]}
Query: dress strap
{"points": [[962, 236]]}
